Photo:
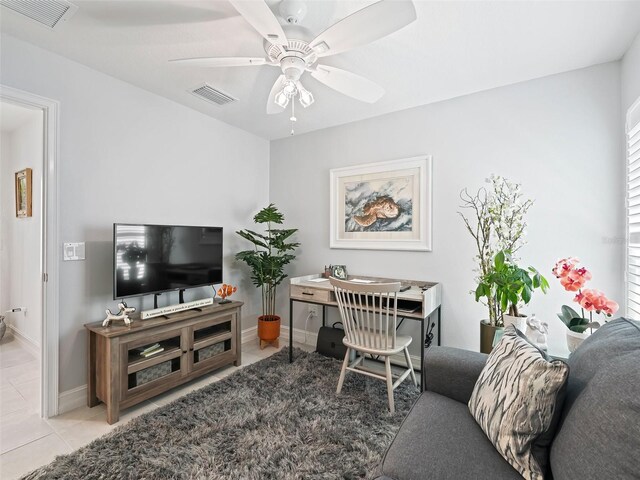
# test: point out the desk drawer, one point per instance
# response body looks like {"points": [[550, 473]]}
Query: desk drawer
{"points": [[311, 294]]}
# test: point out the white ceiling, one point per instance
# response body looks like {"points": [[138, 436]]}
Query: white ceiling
{"points": [[14, 116], [454, 48]]}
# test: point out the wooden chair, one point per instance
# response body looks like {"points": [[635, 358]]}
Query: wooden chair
{"points": [[369, 313]]}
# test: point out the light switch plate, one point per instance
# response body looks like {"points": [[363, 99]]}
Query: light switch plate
{"points": [[73, 251]]}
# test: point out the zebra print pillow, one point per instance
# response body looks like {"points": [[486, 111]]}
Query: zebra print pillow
{"points": [[514, 401]]}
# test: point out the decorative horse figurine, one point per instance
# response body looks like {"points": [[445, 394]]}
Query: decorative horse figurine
{"points": [[123, 314], [537, 332]]}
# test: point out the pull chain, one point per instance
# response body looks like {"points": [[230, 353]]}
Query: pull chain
{"points": [[293, 114]]}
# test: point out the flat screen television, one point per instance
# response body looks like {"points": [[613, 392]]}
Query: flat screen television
{"points": [[159, 258]]}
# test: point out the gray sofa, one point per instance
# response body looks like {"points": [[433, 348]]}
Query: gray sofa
{"points": [[598, 436]]}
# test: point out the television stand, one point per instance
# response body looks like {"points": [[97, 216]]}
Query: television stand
{"points": [[190, 344]]}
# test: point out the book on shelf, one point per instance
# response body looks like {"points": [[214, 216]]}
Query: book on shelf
{"points": [[155, 351]]}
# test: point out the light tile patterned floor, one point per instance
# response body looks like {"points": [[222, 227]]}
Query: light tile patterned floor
{"points": [[28, 442]]}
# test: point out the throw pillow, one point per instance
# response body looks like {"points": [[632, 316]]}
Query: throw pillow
{"points": [[514, 401]]}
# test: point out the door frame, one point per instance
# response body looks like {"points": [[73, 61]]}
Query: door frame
{"points": [[50, 234]]}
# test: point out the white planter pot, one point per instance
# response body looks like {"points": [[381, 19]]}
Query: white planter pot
{"points": [[574, 339], [520, 322]]}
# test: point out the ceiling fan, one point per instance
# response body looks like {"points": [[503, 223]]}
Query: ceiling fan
{"points": [[295, 57]]}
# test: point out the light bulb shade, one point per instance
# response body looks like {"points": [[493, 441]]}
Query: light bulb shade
{"points": [[305, 96], [281, 99], [289, 88]]}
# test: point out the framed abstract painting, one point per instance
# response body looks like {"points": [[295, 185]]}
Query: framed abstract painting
{"points": [[382, 206]]}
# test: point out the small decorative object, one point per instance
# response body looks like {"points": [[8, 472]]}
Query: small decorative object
{"points": [[123, 315], [272, 251], [508, 286], [226, 291], [493, 230], [339, 271], [537, 331], [23, 193], [327, 271], [382, 206], [3, 327], [573, 279]]}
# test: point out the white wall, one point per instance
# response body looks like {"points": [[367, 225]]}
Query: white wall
{"points": [[630, 75], [127, 155], [20, 246], [559, 136]]}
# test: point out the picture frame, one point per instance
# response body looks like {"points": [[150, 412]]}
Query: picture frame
{"points": [[24, 193], [339, 272], [382, 206]]}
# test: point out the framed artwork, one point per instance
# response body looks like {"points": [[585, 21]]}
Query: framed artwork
{"points": [[382, 206], [339, 271], [23, 193]]}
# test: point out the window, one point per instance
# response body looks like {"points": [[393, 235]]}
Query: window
{"points": [[633, 211]]}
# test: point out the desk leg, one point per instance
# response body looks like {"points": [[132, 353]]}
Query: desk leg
{"points": [[422, 339], [324, 314], [290, 330], [439, 334]]}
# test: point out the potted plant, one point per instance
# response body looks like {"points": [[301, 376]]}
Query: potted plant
{"points": [[508, 286], [497, 223], [573, 279], [272, 251]]}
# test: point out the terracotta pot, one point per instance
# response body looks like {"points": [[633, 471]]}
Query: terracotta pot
{"points": [[575, 339], [487, 334], [268, 327], [520, 322]]}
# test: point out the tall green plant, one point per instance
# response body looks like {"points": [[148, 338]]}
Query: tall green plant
{"points": [[272, 251], [508, 285]]}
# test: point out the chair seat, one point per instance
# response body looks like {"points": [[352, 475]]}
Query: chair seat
{"points": [[402, 341]]}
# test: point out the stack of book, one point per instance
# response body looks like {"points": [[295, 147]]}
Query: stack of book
{"points": [[151, 350]]}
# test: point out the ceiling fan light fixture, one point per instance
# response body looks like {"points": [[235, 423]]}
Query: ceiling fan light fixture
{"points": [[281, 99], [305, 97], [289, 88]]}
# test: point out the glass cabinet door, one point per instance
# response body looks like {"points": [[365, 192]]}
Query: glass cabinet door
{"points": [[213, 342], [151, 360]]}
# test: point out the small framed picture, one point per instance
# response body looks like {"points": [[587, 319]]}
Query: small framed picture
{"points": [[339, 271], [23, 193]]}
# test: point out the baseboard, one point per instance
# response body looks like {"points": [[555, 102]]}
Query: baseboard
{"points": [[26, 342], [72, 399], [249, 335]]}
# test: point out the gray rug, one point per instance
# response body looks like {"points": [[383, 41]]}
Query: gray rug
{"points": [[270, 420]]}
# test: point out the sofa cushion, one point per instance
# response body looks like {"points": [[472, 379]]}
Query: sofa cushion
{"points": [[515, 399], [440, 440], [599, 435]]}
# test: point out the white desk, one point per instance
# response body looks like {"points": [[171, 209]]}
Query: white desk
{"points": [[419, 302]]}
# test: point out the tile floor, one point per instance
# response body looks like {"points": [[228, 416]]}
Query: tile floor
{"points": [[28, 441]]}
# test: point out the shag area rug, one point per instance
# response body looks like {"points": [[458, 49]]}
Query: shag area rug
{"points": [[269, 420]]}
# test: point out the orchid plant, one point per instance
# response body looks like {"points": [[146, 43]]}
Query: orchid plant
{"points": [[573, 279], [497, 223]]}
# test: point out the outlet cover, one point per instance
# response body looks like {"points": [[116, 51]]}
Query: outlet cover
{"points": [[314, 310]]}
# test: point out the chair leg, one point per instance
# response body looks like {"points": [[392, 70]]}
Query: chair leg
{"points": [[387, 364], [410, 365], [343, 372]]}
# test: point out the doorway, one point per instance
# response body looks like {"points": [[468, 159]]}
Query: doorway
{"points": [[21, 168], [28, 250]]}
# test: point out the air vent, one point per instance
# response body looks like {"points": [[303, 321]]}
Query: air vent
{"points": [[213, 95], [50, 13]]}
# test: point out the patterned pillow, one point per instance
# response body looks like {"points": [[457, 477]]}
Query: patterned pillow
{"points": [[515, 399]]}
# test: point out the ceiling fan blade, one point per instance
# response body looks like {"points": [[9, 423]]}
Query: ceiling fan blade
{"points": [[260, 17], [364, 26], [348, 83], [220, 61], [272, 106]]}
